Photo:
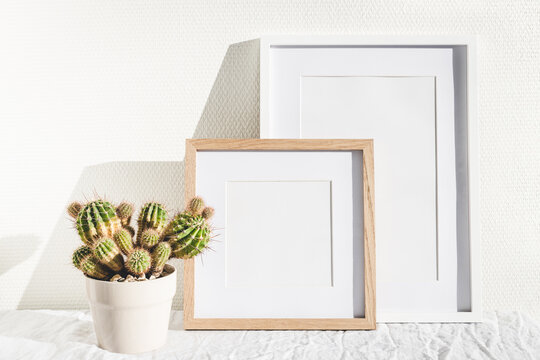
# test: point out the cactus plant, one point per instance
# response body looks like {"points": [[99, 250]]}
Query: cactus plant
{"points": [[124, 212], [97, 219], [149, 238], [109, 254], [153, 216], [160, 255], [138, 262], [124, 240]]}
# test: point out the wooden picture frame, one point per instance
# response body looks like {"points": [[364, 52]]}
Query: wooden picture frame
{"points": [[194, 146], [435, 277]]}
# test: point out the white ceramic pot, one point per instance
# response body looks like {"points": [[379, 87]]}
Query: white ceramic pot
{"points": [[132, 317]]}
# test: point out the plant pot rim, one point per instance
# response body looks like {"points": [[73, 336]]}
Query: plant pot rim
{"points": [[171, 271]]}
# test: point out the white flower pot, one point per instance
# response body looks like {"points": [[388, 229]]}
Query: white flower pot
{"points": [[132, 317]]}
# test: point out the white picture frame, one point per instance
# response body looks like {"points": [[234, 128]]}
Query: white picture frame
{"points": [[455, 122]]}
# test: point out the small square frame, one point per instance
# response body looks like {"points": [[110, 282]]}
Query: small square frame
{"points": [[365, 323]]}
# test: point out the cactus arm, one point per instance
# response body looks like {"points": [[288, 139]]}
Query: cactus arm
{"points": [[149, 238], [124, 211], [207, 212], [188, 232], [139, 262], [91, 267], [80, 254], [160, 255], [123, 239], [196, 205], [74, 209], [108, 253]]}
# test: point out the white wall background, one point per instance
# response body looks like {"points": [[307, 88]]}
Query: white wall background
{"points": [[98, 96]]}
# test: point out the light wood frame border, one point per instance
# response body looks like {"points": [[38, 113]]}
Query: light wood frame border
{"points": [[365, 323], [470, 42]]}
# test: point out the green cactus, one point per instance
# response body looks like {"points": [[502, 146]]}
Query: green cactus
{"points": [[196, 205], [90, 266], [160, 255], [138, 262], [80, 254], [153, 216], [97, 219], [109, 247], [207, 212], [73, 209], [124, 240], [149, 238], [124, 212], [109, 254], [188, 234]]}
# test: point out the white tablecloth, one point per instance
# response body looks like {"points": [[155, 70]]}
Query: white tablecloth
{"points": [[46, 334]]}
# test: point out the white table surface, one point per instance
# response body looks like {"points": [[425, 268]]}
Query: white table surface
{"points": [[48, 334]]}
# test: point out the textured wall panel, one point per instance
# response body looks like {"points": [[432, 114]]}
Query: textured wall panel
{"points": [[98, 96]]}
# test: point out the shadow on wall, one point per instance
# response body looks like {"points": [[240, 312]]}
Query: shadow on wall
{"points": [[231, 111], [232, 108], [16, 249], [55, 283]]}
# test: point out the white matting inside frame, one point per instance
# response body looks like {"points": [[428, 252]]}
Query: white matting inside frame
{"points": [[289, 241]]}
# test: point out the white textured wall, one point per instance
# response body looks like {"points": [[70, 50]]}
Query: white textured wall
{"points": [[98, 96]]}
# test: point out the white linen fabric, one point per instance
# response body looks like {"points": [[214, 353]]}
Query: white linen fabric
{"points": [[47, 334]]}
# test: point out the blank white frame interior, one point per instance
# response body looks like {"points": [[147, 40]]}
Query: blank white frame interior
{"points": [[234, 182], [278, 214], [359, 86]]}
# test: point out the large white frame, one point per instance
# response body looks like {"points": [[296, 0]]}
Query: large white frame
{"points": [[468, 109]]}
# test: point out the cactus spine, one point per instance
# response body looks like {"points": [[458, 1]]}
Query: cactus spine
{"points": [[153, 216], [109, 254], [160, 255], [139, 262], [97, 219], [124, 240]]}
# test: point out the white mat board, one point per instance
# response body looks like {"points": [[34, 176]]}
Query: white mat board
{"points": [[266, 234], [217, 170], [404, 99]]}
